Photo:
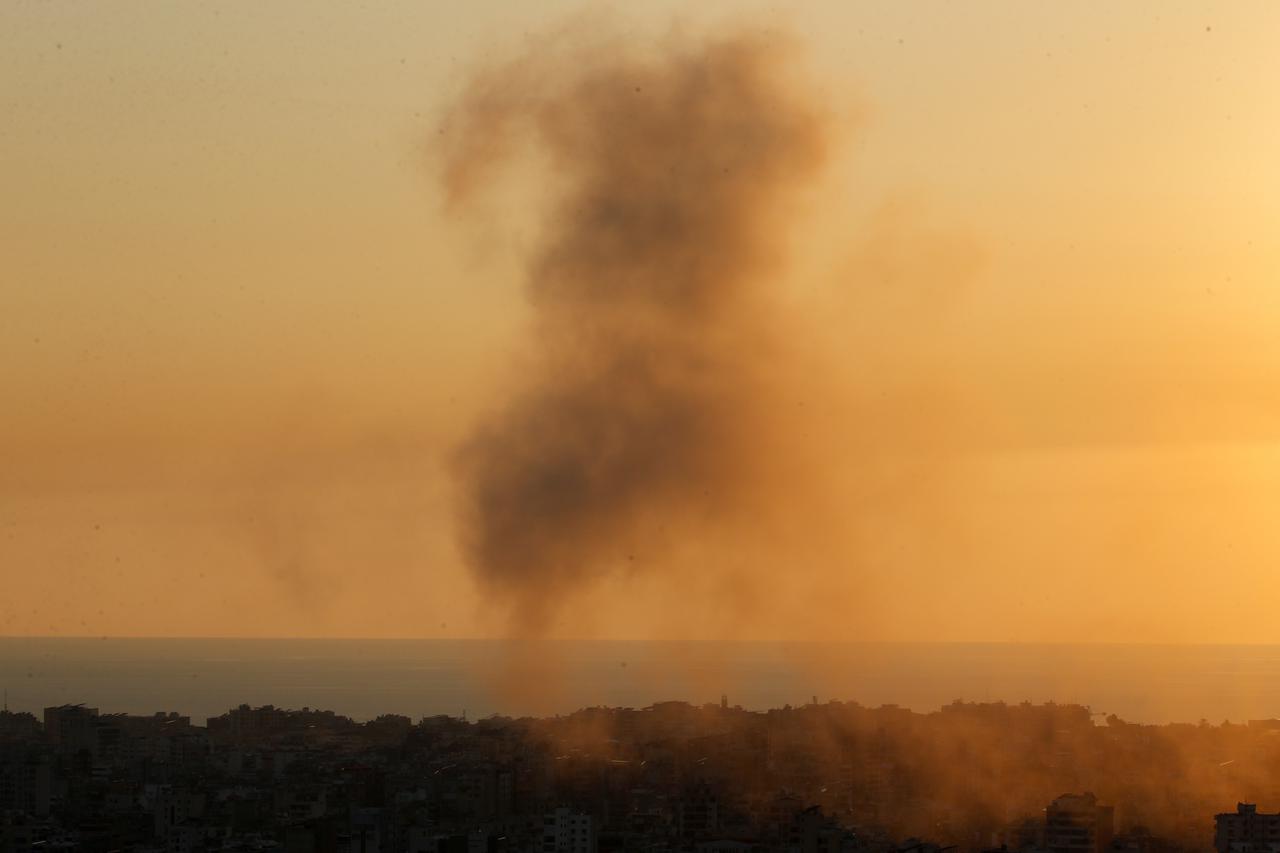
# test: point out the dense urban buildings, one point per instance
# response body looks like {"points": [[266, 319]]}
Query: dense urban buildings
{"points": [[822, 778]]}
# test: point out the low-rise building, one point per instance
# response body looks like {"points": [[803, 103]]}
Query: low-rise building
{"points": [[1077, 823]]}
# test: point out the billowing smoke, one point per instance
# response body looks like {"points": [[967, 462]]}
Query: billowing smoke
{"points": [[642, 416]]}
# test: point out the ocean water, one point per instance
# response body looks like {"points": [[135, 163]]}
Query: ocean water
{"points": [[364, 678]]}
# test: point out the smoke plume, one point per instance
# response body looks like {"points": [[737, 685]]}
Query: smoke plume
{"points": [[642, 418]]}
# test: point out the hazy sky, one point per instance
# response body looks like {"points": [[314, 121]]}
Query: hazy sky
{"points": [[240, 337]]}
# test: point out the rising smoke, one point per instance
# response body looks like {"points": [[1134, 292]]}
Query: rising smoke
{"points": [[643, 418]]}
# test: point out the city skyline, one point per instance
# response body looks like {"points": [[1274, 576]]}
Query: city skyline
{"points": [[575, 426]]}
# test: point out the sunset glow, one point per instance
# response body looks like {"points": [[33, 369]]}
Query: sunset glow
{"points": [[1004, 369]]}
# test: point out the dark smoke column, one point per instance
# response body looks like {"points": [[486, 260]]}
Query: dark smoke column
{"points": [[642, 419]]}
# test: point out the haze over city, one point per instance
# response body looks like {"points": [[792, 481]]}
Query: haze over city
{"points": [[585, 427]]}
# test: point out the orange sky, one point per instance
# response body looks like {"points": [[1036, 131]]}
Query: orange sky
{"points": [[239, 335]]}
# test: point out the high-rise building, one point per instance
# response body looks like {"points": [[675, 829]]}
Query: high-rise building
{"points": [[71, 728]]}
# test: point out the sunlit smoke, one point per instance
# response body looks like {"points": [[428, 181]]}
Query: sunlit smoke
{"points": [[643, 417]]}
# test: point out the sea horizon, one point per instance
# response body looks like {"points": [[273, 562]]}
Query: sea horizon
{"points": [[203, 677]]}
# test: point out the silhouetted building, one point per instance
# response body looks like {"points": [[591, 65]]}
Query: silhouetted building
{"points": [[248, 724], [1076, 823], [18, 726], [1246, 831], [71, 728]]}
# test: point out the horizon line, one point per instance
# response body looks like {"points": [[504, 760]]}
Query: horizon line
{"points": [[653, 641]]}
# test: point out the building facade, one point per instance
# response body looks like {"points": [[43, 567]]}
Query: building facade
{"points": [[1246, 831], [1077, 823]]}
